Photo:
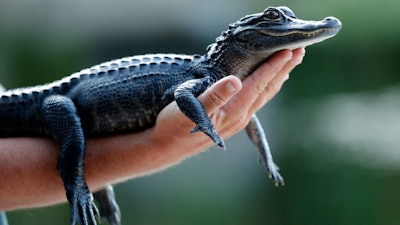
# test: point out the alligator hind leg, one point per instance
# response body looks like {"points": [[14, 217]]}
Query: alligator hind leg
{"points": [[108, 206], [257, 136], [63, 122]]}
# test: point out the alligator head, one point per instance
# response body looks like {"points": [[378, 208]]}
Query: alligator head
{"points": [[251, 40]]}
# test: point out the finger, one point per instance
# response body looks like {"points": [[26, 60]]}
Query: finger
{"points": [[220, 93], [298, 55], [274, 86], [283, 75], [255, 84]]}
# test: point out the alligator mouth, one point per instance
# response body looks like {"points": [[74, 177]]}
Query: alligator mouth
{"points": [[328, 27], [296, 38], [313, 34], [293, 39], [301, 33]]}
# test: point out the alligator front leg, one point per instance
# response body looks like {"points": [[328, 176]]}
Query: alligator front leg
{"points": [[257, 136], [185, 96], [63, 122], [109, 208]]}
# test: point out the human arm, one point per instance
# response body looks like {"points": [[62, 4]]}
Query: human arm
{"points": [[27, 165]]}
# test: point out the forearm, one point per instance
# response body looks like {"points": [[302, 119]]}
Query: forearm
{"points": [[29, 174], [25, 171]]}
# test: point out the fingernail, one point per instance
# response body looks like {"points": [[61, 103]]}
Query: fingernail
{"points": [[230, 87]]}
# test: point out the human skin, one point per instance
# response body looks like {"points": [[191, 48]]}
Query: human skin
{"points": [[28, 172]]}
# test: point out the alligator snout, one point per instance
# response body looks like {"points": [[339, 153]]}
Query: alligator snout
{"points": [[333, 22]]}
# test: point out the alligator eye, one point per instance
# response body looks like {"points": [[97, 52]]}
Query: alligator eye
{"points": [[272, 14]]}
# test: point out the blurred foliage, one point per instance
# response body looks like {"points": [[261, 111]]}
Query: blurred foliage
{"points": [[326, 183]]}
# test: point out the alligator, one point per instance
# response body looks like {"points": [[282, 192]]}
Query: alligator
{"points": [[127, 94]]}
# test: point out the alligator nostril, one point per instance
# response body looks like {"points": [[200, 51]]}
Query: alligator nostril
{"points": [[333, 21], [330, 18]]}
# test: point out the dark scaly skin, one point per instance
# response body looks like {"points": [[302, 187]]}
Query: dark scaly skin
{"points": [[126, 95], [108, 205]]}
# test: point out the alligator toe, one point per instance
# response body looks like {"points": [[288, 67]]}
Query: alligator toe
{"points": [[83, 210], [273, 173], [209, 130]]}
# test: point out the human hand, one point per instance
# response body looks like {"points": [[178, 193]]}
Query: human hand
{"points": [[230, 103]]}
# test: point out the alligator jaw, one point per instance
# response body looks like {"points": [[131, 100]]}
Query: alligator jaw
{"points": [[309, 38], [303, 33], [304, 27]]}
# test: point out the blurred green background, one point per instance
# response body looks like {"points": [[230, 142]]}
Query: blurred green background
{"points": [[334, 128]]}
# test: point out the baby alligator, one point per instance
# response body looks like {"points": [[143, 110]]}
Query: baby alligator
{"points": [[127, 94]]}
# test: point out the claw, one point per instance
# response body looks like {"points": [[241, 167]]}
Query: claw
{"points": [[108, 206], [83, 210], [195, 129], [212, 133], [273, 173]]}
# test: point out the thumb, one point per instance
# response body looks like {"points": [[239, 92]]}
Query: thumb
{"points": [[220, 93]]}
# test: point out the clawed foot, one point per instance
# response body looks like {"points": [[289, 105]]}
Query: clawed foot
{"points": [[210, 131], [83, 210], [273, 172], [108, 205]]}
